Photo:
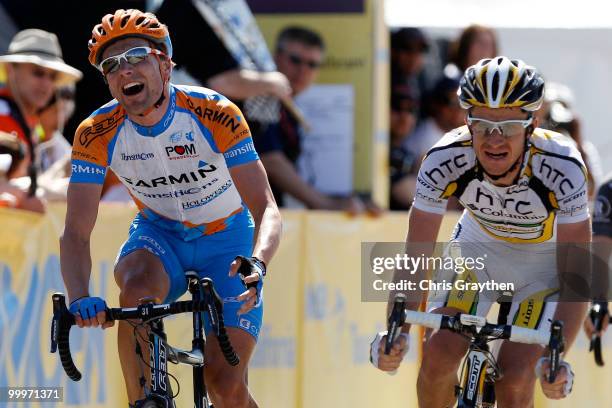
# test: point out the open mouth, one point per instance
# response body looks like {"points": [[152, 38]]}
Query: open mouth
{"points": [[496, 156], [133, 88]]}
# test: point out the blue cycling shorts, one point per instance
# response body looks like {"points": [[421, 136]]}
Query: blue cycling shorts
{"points": [[210, 256]]}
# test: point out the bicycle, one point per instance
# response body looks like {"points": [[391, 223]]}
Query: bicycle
{"points": [[479, 369], [204, 299]]}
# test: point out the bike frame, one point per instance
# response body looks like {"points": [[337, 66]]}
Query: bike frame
{"points": [[477, 389], [480, 370], [204, 300], [158, 346]]}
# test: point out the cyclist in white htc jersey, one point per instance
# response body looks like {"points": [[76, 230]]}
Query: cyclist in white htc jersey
{"points": [[523, 189], [186, 156]]}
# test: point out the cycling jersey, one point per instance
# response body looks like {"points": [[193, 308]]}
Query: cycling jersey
{"points": [[551, 188], [176, 171], [602, 214]]}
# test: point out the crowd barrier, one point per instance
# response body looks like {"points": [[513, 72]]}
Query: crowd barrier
{"points": [[313, 349]]}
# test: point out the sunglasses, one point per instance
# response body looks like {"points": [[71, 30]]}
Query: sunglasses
{"points": [[507, 128], [297, 60], [132, 56]]}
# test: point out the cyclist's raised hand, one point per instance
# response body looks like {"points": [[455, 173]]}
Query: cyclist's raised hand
{"points": [[252, 271], [391, 361], [562, 386], [90, 312]]}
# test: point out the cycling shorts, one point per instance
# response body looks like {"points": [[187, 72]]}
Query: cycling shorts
{"points": [[210, 256], [530, 268]]}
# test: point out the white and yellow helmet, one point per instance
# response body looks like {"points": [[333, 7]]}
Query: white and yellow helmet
{"points": [[501, 83]]}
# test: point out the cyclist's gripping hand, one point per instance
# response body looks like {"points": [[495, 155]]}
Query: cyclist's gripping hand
{"points": [[252, 271], [590, 329], [391, 361], [562, 386], [90, 312]]}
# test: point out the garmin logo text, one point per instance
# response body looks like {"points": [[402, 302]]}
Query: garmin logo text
{"points": [[137, 156], [186, 178], [240, 150], [198, 203], [77, 168], [177, 193]]}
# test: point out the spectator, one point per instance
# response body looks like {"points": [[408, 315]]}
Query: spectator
{"points": [[53, 154], [443, 114], [298, 55], [218, 69], [475, 42], [34, 68], [53, 118], [408, 48], [557, 114], [403, 163], [71, 28], [13, 164]]}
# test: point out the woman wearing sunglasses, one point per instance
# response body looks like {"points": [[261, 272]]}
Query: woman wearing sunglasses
{"points": [[186, 156], [523, 190]]}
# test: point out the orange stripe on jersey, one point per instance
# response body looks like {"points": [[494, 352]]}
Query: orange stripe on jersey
{"points": [[220, 224], [222, 117], [94, 134]]}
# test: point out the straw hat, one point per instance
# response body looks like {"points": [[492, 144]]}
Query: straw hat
{"points": [[41, 48]]}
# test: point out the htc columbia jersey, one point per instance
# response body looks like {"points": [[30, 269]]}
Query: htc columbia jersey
{"points": [[551, 188], [176, 171]]}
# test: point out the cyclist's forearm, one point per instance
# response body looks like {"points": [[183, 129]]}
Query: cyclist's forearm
{"points": [[75, 260], [267, 233], [572, 314]]}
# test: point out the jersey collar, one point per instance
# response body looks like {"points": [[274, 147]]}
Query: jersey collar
{"points": [[163, 123]]}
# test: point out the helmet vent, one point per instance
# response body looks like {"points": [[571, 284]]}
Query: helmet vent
{"points": [[495, 86], [139, 20], [124, 20]]}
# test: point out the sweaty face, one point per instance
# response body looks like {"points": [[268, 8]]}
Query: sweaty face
{"points": [[300, 63], [495, 152], [137, 87], [33, 85]]}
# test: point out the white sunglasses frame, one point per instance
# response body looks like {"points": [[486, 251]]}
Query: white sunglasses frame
{"points": [[497, 125], [123, 56]]}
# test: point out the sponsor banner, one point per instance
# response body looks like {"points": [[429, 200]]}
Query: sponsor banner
{"points": [[314, 342]]}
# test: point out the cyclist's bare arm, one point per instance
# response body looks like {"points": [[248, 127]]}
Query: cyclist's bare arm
{"points": [[602, 250], [572, 313], [252, 184], [75, 256], [423, 228]]}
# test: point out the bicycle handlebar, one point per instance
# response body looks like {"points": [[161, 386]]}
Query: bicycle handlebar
{"points": [[63, 320], [477, 326], [597, 314]]}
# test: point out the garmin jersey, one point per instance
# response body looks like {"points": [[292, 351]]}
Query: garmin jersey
{"points": [[551, 188], [602, 210], [176, 171]]}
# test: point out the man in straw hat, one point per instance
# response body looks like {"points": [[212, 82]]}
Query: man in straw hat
{"points": [[34, 68]]}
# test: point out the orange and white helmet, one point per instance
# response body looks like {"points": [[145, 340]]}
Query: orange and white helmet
{"points": [[501, 83], [127, 23]]}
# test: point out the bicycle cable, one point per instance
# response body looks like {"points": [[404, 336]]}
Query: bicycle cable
{"points": [[139, 353]]}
